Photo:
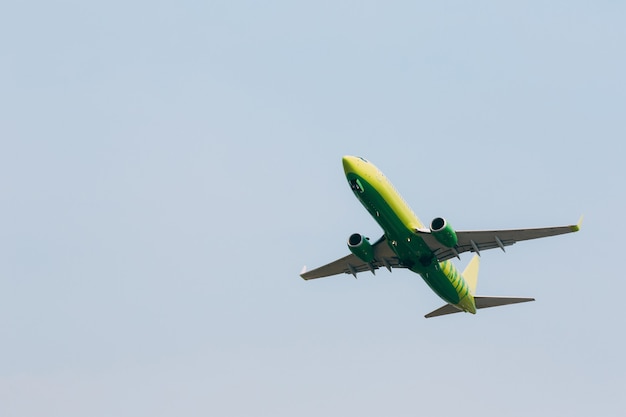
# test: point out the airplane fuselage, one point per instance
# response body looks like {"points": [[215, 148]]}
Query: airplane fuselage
{"points": [[399, 223]]}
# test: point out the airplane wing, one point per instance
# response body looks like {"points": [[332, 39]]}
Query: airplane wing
{"points": [[351, 264], [478, 240]]}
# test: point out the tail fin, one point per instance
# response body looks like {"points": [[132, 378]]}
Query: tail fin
{"points": [[470, 274]]}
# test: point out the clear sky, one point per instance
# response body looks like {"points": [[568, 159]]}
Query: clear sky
{"points": [[167, 168]]}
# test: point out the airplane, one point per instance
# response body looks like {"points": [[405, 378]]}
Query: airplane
{"points": [[407, 243]]}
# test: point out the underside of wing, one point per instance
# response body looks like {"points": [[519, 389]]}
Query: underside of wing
{"points": [[479, 240], [351, 264]]}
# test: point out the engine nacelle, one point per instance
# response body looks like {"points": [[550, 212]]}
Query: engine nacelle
{"points": [[443, 232], [361, 247]]}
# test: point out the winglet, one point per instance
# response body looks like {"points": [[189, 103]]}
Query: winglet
{"points": [[577, 226], [303, 271]]}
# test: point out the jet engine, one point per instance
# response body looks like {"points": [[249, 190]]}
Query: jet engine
{"points": [[361, 247], [443, 232]]}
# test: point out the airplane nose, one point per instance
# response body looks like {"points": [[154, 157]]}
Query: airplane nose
{"points": [[349, 162]]}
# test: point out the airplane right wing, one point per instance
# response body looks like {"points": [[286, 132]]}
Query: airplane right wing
{"points": [[478, 240], [351, 264]]}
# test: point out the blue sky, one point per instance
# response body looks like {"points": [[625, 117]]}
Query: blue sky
{"points": [[166, 168]]}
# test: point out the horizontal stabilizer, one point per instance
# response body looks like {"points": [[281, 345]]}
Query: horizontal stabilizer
{"points": [[486, 302], [442, 311], [481, 302]]}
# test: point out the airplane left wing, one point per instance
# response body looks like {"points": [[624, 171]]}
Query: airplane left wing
{"points": [[351, 264], [478, 240]]}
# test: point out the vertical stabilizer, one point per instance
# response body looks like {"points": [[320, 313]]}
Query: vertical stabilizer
{"points": [[471, 273]]}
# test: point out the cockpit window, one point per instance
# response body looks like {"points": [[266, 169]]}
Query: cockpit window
{"points": [[355, 184], [362, 159]]}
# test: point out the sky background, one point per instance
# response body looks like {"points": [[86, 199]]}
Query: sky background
{"points": [[167, 168]]}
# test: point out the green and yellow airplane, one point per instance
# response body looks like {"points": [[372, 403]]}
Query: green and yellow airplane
{"points": [[406, 243]]}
